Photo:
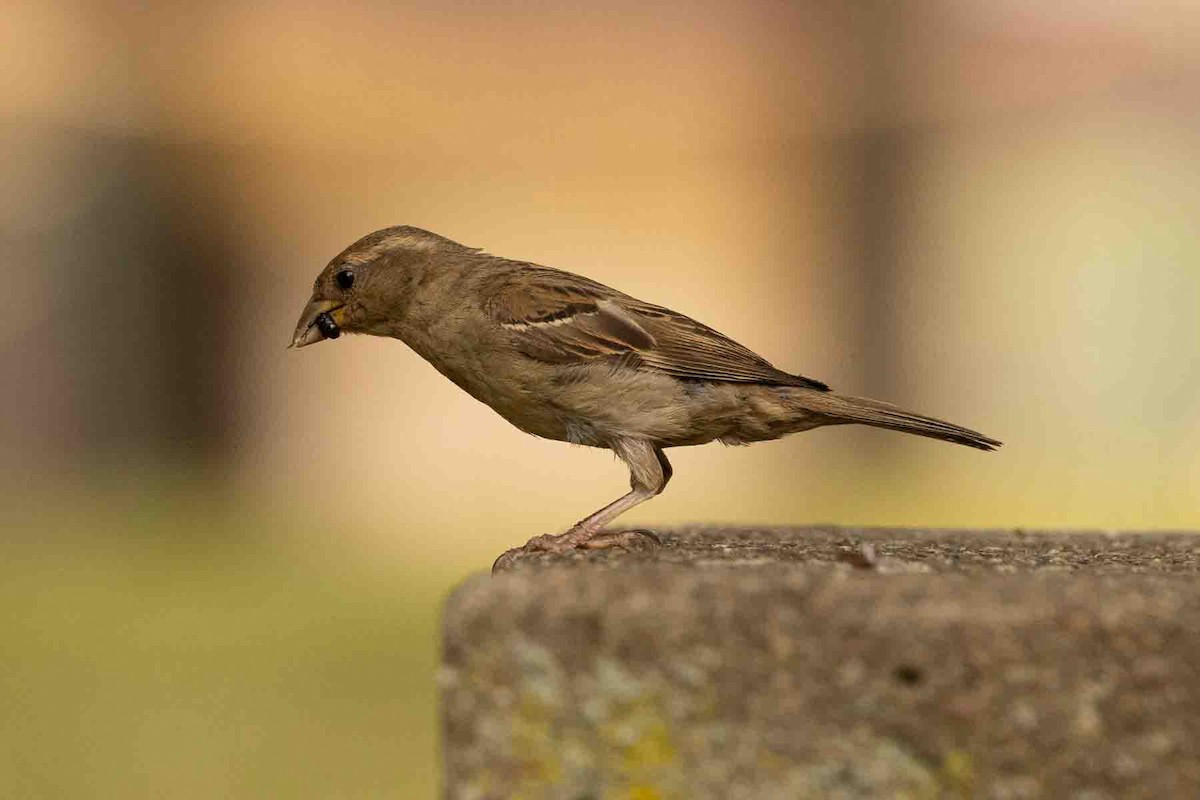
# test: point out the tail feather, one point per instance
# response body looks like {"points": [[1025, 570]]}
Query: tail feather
{"points": [[843, 409]]}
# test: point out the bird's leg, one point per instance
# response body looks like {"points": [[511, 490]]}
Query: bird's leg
{"points": [[600, 538], [649, 472], [588, 533]]}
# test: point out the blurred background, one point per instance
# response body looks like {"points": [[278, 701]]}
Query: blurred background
{"points": [[222, 562]]}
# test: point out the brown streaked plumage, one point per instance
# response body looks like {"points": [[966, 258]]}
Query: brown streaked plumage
{"points": [[564, 357]]}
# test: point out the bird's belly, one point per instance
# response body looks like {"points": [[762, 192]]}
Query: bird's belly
{"points": [[598, 406], [523, 397]]}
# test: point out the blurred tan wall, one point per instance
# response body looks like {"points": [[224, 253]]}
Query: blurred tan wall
{"points": [[985, 212]]}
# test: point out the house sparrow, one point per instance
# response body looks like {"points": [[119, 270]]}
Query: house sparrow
{"points": [[564, 357]]}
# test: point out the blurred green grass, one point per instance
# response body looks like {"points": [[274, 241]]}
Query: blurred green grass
{"points": [[145, 656]]}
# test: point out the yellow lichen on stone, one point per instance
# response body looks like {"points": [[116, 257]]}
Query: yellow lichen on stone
{"points": [[957, 774], [652, 750], [644, 793], [534, 749], [643, 752]]}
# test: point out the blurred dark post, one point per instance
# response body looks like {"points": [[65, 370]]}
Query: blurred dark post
{"points": [[154, 306], [134, 352], [199, 294], [875, 166]]}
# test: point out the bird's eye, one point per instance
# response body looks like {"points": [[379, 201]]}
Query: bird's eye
{"points": [[345, 279]]}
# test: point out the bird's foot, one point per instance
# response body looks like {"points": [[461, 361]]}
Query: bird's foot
{"points": [[630, 539], [573, 540]]}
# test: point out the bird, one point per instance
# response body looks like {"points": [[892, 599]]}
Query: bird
{"points": [[567, 358]]}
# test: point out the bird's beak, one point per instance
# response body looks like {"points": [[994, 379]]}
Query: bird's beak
{"points": [[307, 329]]}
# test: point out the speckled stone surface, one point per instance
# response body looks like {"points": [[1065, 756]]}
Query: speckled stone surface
{"points": [[830, 663]]}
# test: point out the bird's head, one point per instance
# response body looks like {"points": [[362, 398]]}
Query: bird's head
{"points": [[366, 287]]}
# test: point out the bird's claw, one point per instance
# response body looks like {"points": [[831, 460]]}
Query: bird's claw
{"points": [[635, 538], [505, 561], [546, 543], [549, 543]]}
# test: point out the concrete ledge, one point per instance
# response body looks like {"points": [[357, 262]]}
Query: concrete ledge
{"points": [[831, 663]]}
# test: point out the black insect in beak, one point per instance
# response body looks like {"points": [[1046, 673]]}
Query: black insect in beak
{"points": [[329, 329]]}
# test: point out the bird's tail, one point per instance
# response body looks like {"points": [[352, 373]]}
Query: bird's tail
{"points": [[842, 409]]}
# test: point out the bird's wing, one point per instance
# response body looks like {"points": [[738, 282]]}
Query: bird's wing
{"points": [[561, 318]]}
